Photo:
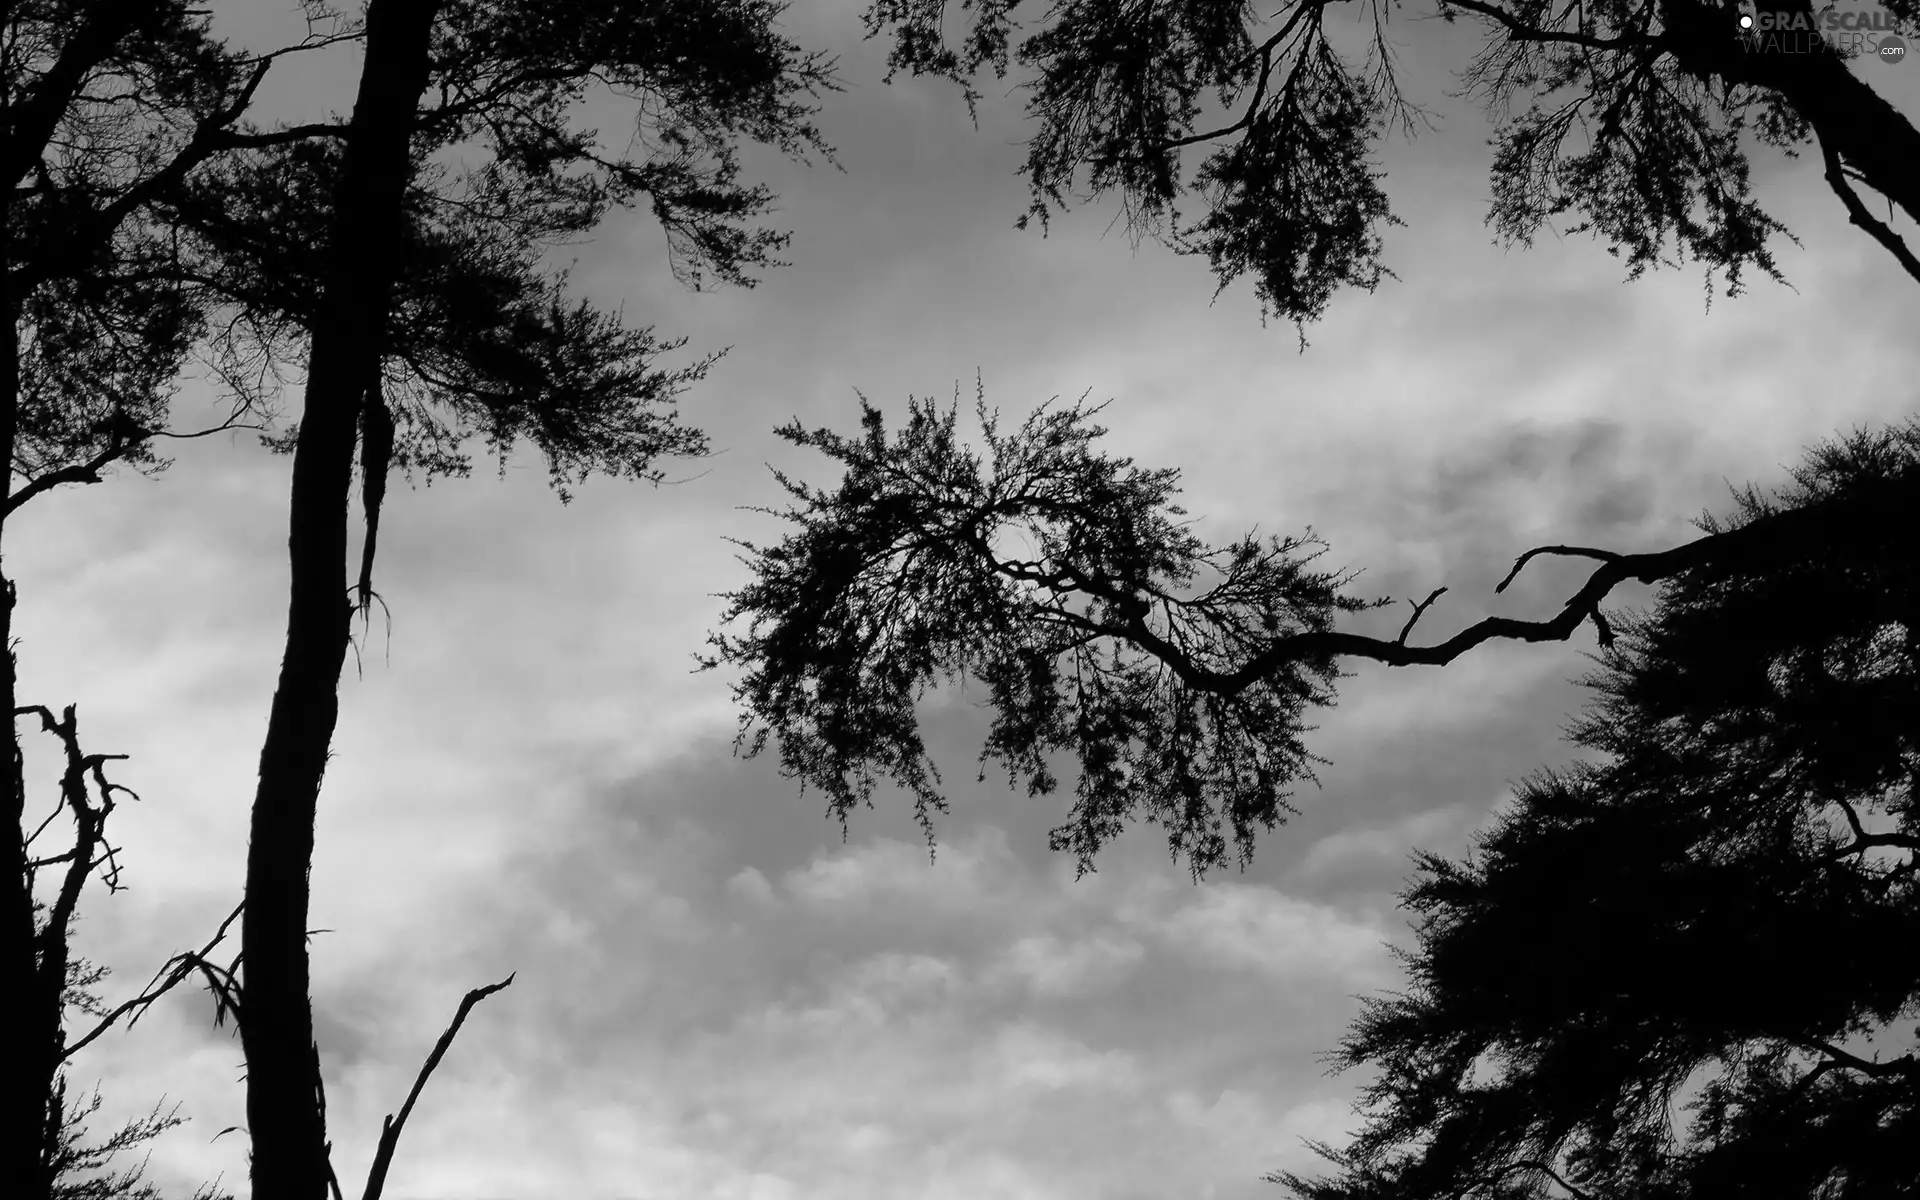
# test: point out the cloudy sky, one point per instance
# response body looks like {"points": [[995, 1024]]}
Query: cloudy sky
{"points": [[717, 996]]}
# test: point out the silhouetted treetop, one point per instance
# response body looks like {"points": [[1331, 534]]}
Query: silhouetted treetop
{"points": [[109, 106], [483, 339], [1715, 912], [1632, 118]]}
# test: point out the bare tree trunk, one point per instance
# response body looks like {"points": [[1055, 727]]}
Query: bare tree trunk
{"points": [[284, 1113]]}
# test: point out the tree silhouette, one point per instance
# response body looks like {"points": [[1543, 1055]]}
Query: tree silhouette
{"points": [[1633, 118], [414, 293], [1714, 914], [112, 107], [1054, 575], [58, 989], [1179, 674], [417, 298]]}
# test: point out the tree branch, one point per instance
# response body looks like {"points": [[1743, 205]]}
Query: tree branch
{"points": [[1862, 840], [1417, 610], [1520, 31], [1760, 535], [1906, 1064], [32, 121], [89, 830], [391, 1126], [170, 974], [227, 139], [121, 440], [1265, 51], [1573, 551], [1857, 212]]}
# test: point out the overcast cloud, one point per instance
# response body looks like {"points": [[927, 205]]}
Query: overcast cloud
{"points": [[717, 996]]}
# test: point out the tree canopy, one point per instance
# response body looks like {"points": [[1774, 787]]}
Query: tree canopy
{"points": [[399, 255], [1663, 971], [1024, 571], [1633, 120], [1180, 674]]}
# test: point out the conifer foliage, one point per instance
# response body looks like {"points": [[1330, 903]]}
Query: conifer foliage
{"points": [[1681, 969]]}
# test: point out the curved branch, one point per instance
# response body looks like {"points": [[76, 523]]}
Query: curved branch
{"points": [[1574, 551], [1584, 605]]}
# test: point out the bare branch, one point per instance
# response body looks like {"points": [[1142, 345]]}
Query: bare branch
{"points": [[1906, 1064], [82, 472], [354, 32], [89, 830], [231, 423], [1417, 610], [1574, 551], [177, 968], [390, 1128], [124, 437]]}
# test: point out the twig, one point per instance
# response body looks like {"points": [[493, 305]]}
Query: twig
{"points": [[1417, 610]]}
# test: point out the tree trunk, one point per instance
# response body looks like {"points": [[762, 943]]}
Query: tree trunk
{"points": [[36, 988], [284, 1114], [1870, 134], [28, 1080]]}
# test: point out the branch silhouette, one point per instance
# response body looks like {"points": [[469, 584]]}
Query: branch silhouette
{"points": [[1069, 583], [390, 1128]]}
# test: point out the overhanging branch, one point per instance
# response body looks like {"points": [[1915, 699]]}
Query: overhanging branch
{"points": [[1615, 569]]}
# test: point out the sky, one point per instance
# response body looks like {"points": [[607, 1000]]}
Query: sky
{"points": [[717, 995]]}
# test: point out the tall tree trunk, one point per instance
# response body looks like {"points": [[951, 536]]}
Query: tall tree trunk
{"points": [[28, 1080], [284, 1115]]}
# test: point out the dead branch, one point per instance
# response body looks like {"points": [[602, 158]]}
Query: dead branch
{"points": [[391, 1126], [172, 972], [1417, 610], [89, 819]]}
